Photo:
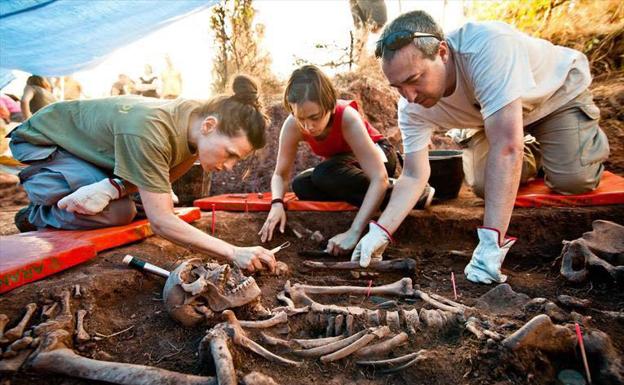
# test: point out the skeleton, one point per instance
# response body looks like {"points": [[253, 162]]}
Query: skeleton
{"points": [[599, 254], [195, 291]]}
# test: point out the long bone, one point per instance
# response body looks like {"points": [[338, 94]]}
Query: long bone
{"points": [[275, 341], [383, 347], [396, 364], [299, 295], [4, 320], [279, 318], [379, 332], [81, 333], [239, 337], [316, 342], [16, 332], [217, 340], [400, 265], [54, 356]]}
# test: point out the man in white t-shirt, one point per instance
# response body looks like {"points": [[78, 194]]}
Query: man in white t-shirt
{"points": [[503, 84]]}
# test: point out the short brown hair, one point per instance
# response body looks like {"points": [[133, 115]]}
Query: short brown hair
{"points": [[309, 83], [240, 111], [36, 80]]}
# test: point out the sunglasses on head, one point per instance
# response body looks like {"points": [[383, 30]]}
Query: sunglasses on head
{"points": [[397, 40]]}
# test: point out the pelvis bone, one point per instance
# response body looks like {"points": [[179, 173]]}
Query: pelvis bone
{"points": [[598, 254], [194, 290]]}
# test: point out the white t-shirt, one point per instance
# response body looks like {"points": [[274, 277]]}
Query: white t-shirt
{"points": [[495, 65]]}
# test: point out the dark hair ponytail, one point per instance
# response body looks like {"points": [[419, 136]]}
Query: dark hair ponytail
{"points": [[240, 111]]}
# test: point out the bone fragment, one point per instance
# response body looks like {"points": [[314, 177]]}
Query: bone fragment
{"points": [[49, 311], [411, 320], [313, 343], [339, 324], [379, 332], [425, 297], [329, 330], [4, 320], [81, 334], [392, 320], [275, 341], [277, 319], [473, 326], [77, 291], [332, 346], [373, 317], [449, 301], [349, 325], [383, 347], [16, 332], [403, 287], [434, 319], [542, 334], [282, 297], [16, 346], [405, 264], [492, 334]]}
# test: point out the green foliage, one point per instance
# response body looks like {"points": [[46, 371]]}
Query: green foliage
{"points": [[238, 41]]}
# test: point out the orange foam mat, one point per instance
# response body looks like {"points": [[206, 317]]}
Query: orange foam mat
{"points": [[610, 191], [31, 256], [262, 202]]}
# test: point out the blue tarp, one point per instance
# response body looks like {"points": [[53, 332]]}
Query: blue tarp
{"points": [[59, 37]]}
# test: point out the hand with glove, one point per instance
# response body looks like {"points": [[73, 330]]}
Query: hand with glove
{"points": [[372, 245], [488, 257], [91, 199]]}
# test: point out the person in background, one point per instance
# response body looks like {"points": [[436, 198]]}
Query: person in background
{"points": [[123, 86], [37, 94], [13, 107], [358, 159], [86, 156], [148, 83], [171, 81], [72, 89]]}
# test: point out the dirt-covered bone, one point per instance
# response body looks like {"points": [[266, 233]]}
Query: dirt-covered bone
{"points": [[502, 300], [401, 288], [407, 265], [598, 254], [16, 332], [279, 318], [540, 333], [383, 347], [375, 333], [4, 320], [194, 284], [81, 333]]}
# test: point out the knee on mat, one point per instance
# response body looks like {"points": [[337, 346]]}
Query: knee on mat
{"points": [[571, 184], [121, 212], [301, 186]]}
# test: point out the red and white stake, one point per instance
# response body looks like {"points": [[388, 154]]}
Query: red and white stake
{"points": [[579, 336], [454, 287], [214, 218], [370, 284]]}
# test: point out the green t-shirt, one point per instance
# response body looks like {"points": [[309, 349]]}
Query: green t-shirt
{"points": [[139, 139]]}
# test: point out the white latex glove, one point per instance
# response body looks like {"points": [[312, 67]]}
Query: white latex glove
{"points": [[488, 257], [90, 199], [342, 243], [174, 198], [372, 245]]}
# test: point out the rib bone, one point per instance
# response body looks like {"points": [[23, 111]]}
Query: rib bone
{"points": [[313, 343], [81, 334], [379, 332], [383, 347], [18, 331], [332, 346]]}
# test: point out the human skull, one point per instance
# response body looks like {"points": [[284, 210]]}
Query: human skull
{"points": [[194, 290]]}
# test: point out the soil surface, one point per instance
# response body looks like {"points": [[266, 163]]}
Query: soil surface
{"points": [[119, 298]]}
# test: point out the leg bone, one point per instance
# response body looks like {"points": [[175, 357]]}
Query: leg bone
{"points": [[18, 331], [81, 334]]}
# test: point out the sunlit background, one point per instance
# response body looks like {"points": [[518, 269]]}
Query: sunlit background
{"points": [[292, 29]]}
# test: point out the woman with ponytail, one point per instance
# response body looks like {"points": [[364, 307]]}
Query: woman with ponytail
{"points": [[86, 156]]}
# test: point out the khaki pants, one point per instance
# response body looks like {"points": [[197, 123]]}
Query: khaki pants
{"points": [[568, 145]]}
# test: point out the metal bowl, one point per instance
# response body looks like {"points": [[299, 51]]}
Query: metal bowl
{"points": [[447, 173]]}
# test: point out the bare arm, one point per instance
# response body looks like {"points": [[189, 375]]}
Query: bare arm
{"points": [[25, 102], [407, 190], [372, 164], [159, 210], [289, 138], [503, 167]]}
